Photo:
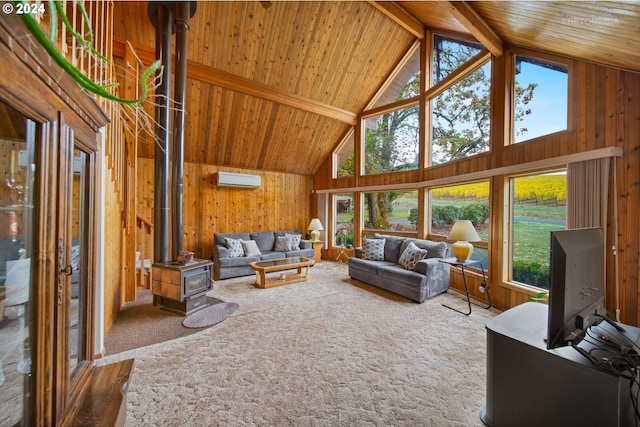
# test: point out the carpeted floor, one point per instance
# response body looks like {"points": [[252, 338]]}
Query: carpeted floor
{"points": [[327, 352], [140, 323]]}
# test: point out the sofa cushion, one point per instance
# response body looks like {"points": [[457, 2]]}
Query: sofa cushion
{"points": [[373, 249], [265, 240], [240, 261], [411, 255], [218, 238], [270, 255], [235, 247], [283, 244], [434, 249], [250, 248], [397, 273], [391, 246], [368, 265], [309, 253]]}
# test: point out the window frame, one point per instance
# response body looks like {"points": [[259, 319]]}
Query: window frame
{"points": [[399, 105], [483, 244], [365, 230], [508, 220], [510, 68], [434, 90], [349, 138]]}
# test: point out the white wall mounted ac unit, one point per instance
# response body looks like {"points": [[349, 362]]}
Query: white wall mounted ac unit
{"points": [[241, 180]]}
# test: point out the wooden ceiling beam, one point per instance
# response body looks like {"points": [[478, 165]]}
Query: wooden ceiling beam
{"points": [[476, 25], [236, 83], [398, 14]]}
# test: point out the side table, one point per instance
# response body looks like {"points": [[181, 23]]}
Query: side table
{"points": [[462, 264], [317, 246]]}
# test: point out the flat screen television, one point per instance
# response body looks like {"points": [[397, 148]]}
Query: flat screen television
{"points": [[577, 284]]}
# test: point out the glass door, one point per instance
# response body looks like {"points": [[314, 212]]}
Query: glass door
{"points": [[17, 142], [46, 220], [74, 296], [79, 291]]}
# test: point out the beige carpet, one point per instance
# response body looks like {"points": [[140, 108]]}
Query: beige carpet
{"points": [[140, 324], [327, 352]]}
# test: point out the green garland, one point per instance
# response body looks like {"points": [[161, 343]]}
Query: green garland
{"points": [[55, 9]]}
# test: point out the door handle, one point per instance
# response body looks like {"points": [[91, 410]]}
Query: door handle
{"points": [[67, 270]]}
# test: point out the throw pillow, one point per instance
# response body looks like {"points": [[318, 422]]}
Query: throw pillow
{"points": [[391, 246], [250, 248], [235, 247], [411, 255], [283, 244], [373, 249], [295, 241]]}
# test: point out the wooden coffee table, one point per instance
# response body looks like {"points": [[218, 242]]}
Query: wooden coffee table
{"points": [[285, 278]]}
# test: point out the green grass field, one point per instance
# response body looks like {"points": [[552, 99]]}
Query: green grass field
{"points": [[532, 241], [531, 238]]}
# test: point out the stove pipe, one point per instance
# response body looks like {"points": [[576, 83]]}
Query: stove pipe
{"points": [[182, 12], [163, 18]]}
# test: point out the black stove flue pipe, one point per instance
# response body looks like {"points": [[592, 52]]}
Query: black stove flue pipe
{"points": [[183, 14], [161, 15]]}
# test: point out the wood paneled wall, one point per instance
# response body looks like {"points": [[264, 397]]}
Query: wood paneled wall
{"points": [[621, 122], [113, 249], [604, 111], [282, 202]]}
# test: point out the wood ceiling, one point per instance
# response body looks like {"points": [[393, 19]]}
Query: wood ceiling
{"points": [[276, 85]]}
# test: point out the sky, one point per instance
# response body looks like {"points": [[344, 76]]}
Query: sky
{"points": [[549, 103]]}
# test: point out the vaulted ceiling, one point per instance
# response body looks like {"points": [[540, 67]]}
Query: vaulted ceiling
{"points": [[276, 85]]}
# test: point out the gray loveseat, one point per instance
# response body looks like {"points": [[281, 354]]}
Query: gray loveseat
{"points": [[423, 279], [227, 264]]}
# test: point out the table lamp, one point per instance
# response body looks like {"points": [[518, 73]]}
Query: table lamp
{"points": [[315, 226], [463, 232]]}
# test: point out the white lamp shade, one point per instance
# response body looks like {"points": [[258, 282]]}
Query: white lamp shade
{"points": [[463, 232], [315, 226]]}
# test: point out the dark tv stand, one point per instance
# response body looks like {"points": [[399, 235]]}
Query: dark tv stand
{"points": [[528, 385]]}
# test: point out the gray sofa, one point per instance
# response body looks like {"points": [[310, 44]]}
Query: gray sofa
{"points": [[226, 266], [427, 278]]}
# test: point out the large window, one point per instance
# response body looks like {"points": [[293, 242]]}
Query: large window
{"points": [[466, 201], [391, 141], [460, 118], [344, 157], [449, 54], [540, 98], [343, 219], [405, 83], [538, 205], [393, 210]]}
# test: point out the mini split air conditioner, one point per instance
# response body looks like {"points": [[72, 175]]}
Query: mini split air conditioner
{"points": [[241, 180]]}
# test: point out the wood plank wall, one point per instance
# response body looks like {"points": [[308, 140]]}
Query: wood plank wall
{"points": [[113, 247], [116, 194], [604, 111], [282, 202]]}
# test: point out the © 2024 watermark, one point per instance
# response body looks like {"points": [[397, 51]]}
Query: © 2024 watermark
{"points": [[35, 8]]}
